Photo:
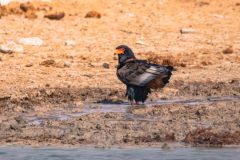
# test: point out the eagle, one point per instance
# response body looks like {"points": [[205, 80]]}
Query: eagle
{"points": [[139, 76]]}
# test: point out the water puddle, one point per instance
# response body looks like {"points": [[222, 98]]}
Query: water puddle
{"points": [[49, 153], [124, 108]]}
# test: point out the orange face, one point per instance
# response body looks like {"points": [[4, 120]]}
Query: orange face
{"points": [[119, 51]]}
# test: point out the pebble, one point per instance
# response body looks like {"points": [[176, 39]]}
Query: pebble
{"points": [[4, 2], [131, 15], [48, 63], [93, 14], [67, 64], [186, 30], [70, 43], [105, 65], [26, 7], [218, 16], [140, 42], [33, 41], [228, 50], [29, 65], [55, 16], [11, 47]]}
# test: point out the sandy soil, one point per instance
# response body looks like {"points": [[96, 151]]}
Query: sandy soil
{"points": [[59, 75]]}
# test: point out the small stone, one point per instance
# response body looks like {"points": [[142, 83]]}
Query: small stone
{"points": [[70, 43], [26, 7], [131, 15], [34, 41], [67, 64], [10, 47], [203, 4], [5, 50], [141, 42], [4, 2], [93, 14], [170, 137], [105, 65], [218, 16], [29, 65], [186, 30], [20, 120], [55, 16], [48, 63], [228, 50], [98, 127]]}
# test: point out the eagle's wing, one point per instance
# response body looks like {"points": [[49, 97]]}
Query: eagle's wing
{"points": [[142, 73]]}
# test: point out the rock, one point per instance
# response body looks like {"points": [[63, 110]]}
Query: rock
{"points": [[70, 43], [48, 63], [4, 2], [228, 50], [98, 127], [131, 15], [26, 7], [200, 4], [186, 30], [105, 65], [29, 65], [170, 137], [20, 120], [34, 41], [55, 16], [67, 64], [5, 50], [141, 42], [93, 14], [218, 16], [11, 47], [3, 98]]}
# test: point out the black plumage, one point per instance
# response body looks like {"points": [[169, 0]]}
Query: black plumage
{"points": [[140, 76]]}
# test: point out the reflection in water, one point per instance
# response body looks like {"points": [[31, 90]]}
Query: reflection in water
{"points": [[27, 153], [125, 107]]}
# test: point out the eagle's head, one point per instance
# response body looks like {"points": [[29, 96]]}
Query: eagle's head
{"points": [[124, 53]]}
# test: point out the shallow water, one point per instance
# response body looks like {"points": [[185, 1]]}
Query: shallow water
{"points": [[27, 153], [124, 107]]}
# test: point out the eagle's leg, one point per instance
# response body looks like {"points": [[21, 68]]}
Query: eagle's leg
{"points": [[133, 103]]}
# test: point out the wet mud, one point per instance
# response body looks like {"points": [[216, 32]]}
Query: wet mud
{"points": [[208, 121]]}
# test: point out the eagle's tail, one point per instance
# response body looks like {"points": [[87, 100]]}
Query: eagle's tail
{"points": [[137, 93]]}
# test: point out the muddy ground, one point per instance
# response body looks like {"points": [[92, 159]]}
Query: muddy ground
{"points": [[74, 69]]}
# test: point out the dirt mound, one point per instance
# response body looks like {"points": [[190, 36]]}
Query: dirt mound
{"points": [[93, 14], [207, 88], [31, 10], [212, 138], [187, 59], [14, 8], [29, 99]]}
